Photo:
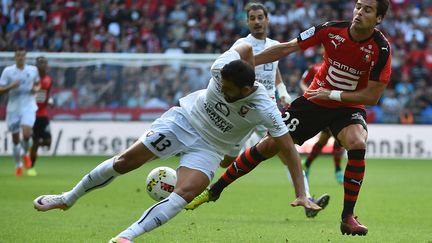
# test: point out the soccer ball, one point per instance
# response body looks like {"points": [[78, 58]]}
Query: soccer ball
{"points": [[161, 182]]}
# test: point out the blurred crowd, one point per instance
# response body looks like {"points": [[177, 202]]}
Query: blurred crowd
{"points": [[208, 26]]}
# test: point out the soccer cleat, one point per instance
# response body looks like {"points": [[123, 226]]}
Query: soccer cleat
{"points": [[18, 171], [27, 161], [31, 172], [48, 202], [120, 240], [339, 176], [205, 196], [351, 226], [321, 201]]}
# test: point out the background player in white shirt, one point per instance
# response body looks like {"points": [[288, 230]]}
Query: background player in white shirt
{"points": [[204, 128], [20, 81], [268, 75]]}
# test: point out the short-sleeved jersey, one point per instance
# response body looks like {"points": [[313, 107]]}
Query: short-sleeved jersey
{"points": [[224, 124], [265, 73], [309, 74], [42, 96], [21, 97], [348, 65]]}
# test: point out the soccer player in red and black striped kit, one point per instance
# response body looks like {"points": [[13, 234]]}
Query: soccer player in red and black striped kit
{"points": [[41, 128], [325, 134], [355, 72]]}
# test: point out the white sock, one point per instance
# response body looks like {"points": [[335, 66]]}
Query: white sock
{"points": [[99, 177], [17, 155], [306, 183], [155, 216]]}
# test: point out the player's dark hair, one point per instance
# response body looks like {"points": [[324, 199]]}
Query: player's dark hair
{"points": [[40, 58], [239, 72], [382, 7], [255, 6], [20, 49]]}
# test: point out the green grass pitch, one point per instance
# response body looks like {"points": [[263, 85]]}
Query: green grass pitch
{"points": [[395, 203]]}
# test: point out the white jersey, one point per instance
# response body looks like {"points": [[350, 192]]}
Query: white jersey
{"points": [[20, 98], [265, 73], [225, 124]]}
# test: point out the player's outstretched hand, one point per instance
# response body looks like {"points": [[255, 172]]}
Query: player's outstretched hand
{"points": [[303, 201], [285, 100], [320, 93]]}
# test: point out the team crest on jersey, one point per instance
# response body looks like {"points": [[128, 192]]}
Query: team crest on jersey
{"points": [[367, 53], [366, 58], [243, 111]]}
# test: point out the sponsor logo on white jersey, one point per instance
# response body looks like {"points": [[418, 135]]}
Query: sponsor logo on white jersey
{"points": [[222, 108], [220, 122]]}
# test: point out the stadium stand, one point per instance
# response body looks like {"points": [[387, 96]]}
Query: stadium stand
{"points": [[202, 26]]}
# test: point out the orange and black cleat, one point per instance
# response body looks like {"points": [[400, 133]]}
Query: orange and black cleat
{"points": [[27, 161]]}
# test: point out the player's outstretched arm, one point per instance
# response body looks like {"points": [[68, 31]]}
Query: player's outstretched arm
{"points": [[367, 96], [276, 52], [246, 53], [290, 154]]}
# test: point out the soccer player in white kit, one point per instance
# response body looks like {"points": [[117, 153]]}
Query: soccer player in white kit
{"points": [[20, 81], [269, 75], [204, 128]]}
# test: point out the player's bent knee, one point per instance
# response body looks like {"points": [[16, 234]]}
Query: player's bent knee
{"points": [[227, 160], [356, 144], [267, 147], [224, 164], [123, 165]]}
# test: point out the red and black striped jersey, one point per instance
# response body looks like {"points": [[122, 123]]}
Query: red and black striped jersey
{"points": [[43, 95], [348, 65]]}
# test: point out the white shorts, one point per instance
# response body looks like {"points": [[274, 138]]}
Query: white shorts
{"points": [[15, 120], [172, 134]]}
